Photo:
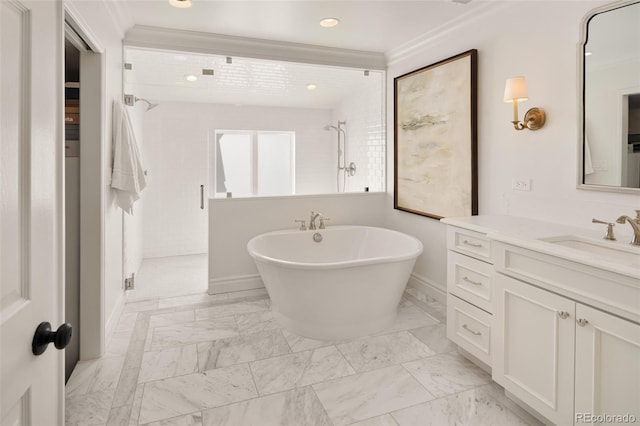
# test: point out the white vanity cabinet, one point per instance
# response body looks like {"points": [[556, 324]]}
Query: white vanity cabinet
{"points": [[559, 328], [469, 304], [607, 364], [533, 347], [561, 357]]}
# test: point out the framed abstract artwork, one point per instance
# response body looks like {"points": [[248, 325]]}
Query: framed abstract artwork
{"points": [[435, 138]]}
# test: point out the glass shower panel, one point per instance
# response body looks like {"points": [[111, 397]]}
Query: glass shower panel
{"points": [[276, 174]]}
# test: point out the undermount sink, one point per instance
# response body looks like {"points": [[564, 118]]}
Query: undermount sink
{"points": [[615, 251]]}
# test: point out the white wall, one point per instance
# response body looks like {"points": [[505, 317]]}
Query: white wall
{"points": [[98, 19], [177, 137], [233, 222], [538, 40]]}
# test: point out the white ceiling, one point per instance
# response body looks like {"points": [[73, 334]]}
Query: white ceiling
{"points": [[370, 25]]}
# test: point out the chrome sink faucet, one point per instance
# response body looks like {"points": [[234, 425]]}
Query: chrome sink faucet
{"points": [[635, 224], [312, 219]]}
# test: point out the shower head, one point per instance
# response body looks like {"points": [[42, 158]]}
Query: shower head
{"points": [[150, 105], [130, 100], [330, 127]]}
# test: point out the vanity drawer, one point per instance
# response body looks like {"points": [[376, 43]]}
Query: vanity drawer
{"points": [[469, 327], [474, 244], [469, 279]]}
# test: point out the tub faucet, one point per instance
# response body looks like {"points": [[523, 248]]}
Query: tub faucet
{"points": [[312, 220], [635, 224]]}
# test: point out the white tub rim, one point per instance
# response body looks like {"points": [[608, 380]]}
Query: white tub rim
{"points": [[334, 265]]}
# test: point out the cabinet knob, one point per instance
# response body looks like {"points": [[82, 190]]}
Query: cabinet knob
{"points": [[582, 322], [563, 314]]}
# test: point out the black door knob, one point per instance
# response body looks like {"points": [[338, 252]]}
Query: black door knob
{"points": [[60, 338]]}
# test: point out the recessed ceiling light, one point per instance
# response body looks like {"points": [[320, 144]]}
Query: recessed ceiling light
{"points": [[329, 22], [588, 53], [311, 86], [180, 4], [191, 78]]}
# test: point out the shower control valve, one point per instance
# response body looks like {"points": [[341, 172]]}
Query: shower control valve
{"points": [[303, 226]]}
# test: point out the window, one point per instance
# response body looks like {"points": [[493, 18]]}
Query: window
{"points": [[254, 163]]}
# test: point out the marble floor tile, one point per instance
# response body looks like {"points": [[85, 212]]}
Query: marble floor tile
{"points": [[106, 374], [171, 318], [246, 293], [193, 332], [126, 389], [127, 321], [135, 408], [476, 407], [421, 296], [148, 340], [299, 369], [78, 383], [409, 317], [240, 349], [298, 407], [300, 343], [383, 351], [227, 309], [362, 396], [181, 395], [171, 276], [88, 409], [194, 419], [191, 299], [119, 416], [256, 322], [385, 420], [169, 362], [435, 337], [446, 374], [118, 343]]}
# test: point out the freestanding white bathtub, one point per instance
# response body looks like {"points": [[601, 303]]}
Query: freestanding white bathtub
{"points": [[347, 285]]}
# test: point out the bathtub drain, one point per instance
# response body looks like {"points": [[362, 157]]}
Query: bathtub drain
{"points": [[317, 237]]}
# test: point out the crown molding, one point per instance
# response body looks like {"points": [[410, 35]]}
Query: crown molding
{"points": [[218, 44], [120, 15], [477, 13]]}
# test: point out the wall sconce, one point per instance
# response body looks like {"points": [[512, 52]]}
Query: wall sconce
{"points": [[516, 90]]}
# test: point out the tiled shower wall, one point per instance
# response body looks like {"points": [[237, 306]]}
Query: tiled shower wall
{"points": [[365, 135]]}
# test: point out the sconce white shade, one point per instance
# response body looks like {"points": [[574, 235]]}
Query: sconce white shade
{"points": [[515, 89], [180, 4]]}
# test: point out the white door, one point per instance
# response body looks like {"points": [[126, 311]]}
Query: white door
{"points": [[31, 249], [607, 366], [533, 347]]}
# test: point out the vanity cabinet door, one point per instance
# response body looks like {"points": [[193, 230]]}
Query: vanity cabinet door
{"points": [[607, 365], [533, 347]]}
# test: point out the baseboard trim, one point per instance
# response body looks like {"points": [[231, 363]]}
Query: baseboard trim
{"points": [[112, 322], [428, 287], [235, 283]]}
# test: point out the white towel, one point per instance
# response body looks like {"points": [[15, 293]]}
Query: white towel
{"points": [[128, 177]]}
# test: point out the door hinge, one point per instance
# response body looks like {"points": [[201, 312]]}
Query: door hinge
{"points": [[128, 282]]}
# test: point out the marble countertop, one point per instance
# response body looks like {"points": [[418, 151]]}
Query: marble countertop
{"points": [[530, 234]]}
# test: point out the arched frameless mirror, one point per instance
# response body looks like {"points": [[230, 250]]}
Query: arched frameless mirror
{"points": [[610, 98]]}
